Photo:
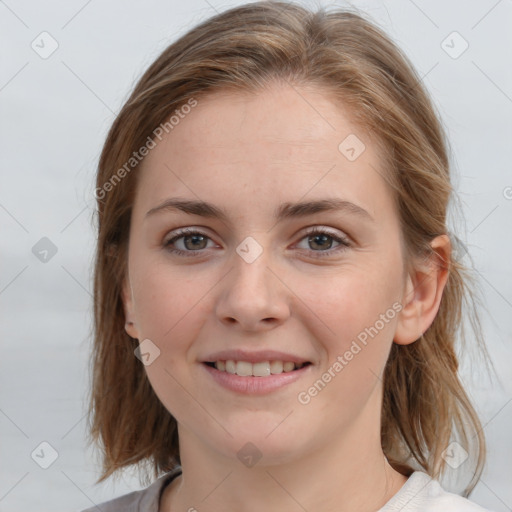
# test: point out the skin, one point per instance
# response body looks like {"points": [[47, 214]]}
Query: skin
{"points": [[248, 154]]}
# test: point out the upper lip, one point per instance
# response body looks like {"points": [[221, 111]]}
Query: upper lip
{"points": [[254, 357]]}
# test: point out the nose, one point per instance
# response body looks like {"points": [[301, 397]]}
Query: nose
{"points": [[253, 296]]}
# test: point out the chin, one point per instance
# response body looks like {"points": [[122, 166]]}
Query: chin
{"points": [[260, 443]]}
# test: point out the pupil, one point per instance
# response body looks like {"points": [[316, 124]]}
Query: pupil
{"points": [[194, 244], [323, 237]]}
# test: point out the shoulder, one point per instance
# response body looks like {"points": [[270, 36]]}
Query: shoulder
{"points": [[423, 493], [144, 500]]}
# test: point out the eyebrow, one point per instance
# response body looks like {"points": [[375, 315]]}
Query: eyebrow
{"points": [[284, 211]]}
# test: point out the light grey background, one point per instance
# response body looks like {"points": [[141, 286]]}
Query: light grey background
{"points": [[55, 113]]}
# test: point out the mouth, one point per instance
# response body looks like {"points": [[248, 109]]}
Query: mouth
{"points": [[259, 378], [261, 369]]}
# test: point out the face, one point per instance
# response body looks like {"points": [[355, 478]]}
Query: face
{"points": [[310, 283]]}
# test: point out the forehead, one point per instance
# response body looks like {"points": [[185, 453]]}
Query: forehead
{"points": [[277, 144], [280, 116]]}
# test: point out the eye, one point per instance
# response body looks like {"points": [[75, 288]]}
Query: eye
{"points": [[322, 240], [192, 241]]}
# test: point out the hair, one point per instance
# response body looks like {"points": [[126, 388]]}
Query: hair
{"points": [[341, 52]]}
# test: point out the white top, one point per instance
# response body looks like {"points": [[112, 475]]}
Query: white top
{"points": [[420, 493]]}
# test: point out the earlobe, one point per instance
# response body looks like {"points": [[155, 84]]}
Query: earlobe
{"points": [[423, 293], [129, 315], [129, 327]]}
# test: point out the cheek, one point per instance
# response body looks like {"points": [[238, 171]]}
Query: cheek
{"points": [[351, 299], [357, 349], [353, 314], [168, 309], [166, 300]]}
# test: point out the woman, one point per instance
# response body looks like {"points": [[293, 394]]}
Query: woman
{"points": [[277, 299]]}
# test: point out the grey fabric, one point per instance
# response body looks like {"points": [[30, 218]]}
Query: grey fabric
{"points": [[144, 500]]}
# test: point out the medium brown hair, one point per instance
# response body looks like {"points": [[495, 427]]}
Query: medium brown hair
{"points": [[425, 406]]}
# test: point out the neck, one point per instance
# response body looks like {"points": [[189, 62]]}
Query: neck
{"points": [[342, 473]]}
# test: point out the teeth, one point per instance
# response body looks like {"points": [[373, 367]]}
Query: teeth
{"points": [[288, 366], [261, 369], [243, 368], [276, 367], [230, 366]]}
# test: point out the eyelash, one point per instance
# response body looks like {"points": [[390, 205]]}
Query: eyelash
{"points": [[344, 242]]}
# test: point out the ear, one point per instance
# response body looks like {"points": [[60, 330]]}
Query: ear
{"points": [[423, 293], [130, 325]]}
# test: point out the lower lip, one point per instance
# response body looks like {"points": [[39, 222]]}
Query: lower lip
{"points": [[255, 385]]}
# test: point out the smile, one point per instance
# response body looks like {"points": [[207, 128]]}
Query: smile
{"points": [[261, 369], [255, 378]]}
